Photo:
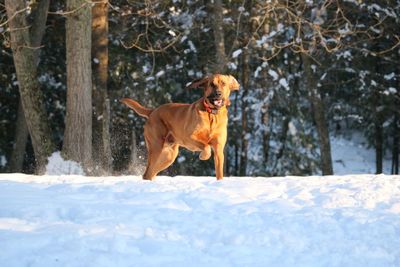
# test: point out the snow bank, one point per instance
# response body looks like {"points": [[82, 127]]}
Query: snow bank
{"points": [[59, 166], [197, 221]]}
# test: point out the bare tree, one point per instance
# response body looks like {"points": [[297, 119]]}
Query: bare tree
{"points": [[78, 126], [25, 40]]}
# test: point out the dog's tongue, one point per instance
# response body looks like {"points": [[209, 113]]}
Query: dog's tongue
{"points": [[217, 102]]}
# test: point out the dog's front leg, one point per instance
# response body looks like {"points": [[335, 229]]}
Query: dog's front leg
{"points": [[205, 153], [219, 160], [205, 149]]}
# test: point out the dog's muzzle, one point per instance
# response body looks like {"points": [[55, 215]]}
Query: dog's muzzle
{"points": [[216, 99]]}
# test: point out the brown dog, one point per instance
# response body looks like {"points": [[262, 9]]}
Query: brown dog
{"points": [[199, 126]]}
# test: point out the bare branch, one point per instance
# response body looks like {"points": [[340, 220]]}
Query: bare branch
{"points": [[70, 12], [13, 16]]}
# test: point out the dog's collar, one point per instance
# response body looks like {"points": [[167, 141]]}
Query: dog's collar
{"points": [[209, 109]]}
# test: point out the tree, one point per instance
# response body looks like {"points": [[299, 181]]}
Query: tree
{"points": [[101, 104], [353, 64], [318, 110], [245, 76], [21, 138], [25, 42], [77, 144], [219, 41]]}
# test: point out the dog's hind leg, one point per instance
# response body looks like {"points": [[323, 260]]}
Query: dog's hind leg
{"points": [[159, 159]]}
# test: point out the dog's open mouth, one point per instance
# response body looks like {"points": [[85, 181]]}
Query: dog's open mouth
{"points": [[218, 102]]}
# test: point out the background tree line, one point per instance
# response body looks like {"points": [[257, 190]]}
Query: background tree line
{"points": [[308, 70]]}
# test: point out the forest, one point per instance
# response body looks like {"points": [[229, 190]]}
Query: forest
{"points": [[308, 70]]}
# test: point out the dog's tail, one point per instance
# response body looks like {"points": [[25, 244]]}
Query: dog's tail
{"points": [[139, 109]]}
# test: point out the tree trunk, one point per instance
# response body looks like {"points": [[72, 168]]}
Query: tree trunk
{"points": [[236, 140], [25, 60], [107, 154], [21, 138], [396, 128], [266, 132], [219, 40], [319, 117], [379, 147], [38, 26], [283, 137], [101, 131], [245, 128], [265, 112], [78, 127], [378, 129], [395, 148]]}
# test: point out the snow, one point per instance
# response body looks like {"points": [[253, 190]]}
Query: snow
{"points": [[57, 166], [259, 68], [283, 82], [172, 33], [75, 220], [160, 73], [236, 53], [72, 220], [3, 160], [192, 47], [389, 76], [292, 128], [273, 74], [351, 155], [390, 90]]}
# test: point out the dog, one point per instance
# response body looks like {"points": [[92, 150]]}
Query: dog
{"points": [[200, 126]]}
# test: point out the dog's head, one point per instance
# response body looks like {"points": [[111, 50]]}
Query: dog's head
{"points": [[217, 89]]}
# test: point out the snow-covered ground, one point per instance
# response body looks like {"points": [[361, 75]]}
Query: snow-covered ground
{"points": [[350, 155], [72, 220]]}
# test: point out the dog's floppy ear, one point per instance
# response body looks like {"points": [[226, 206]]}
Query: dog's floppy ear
{"points": [[197, 83], [233, 85]]}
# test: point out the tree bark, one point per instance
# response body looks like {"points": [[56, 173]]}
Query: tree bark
{"points": [[101, 118], [266, 132], [395, 148], [25, 61], [219, 40], [245, 128], [21, 138], [265, 112], [319, 117], [236, 140], [38, 26], [378, 147], [78, 127]]}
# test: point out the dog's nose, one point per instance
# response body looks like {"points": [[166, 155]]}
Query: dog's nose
{"points": [[218, 94]]}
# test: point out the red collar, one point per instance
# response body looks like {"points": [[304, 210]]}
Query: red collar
{"points": [[208, 108]]}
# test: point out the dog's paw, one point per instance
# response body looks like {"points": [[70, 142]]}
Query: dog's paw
{"points": [[206, 153]]}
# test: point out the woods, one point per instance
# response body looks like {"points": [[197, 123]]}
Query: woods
{"points": [[309, 70]]}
